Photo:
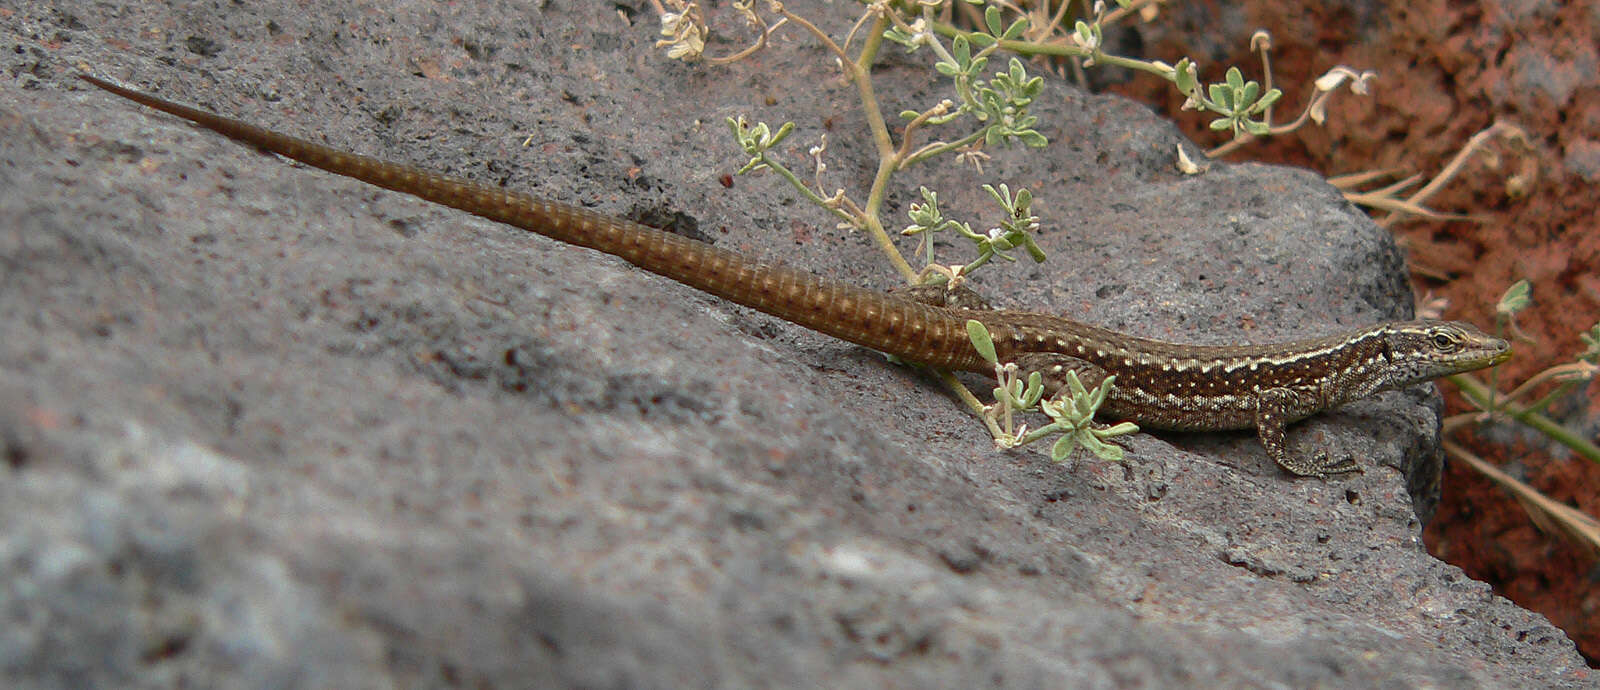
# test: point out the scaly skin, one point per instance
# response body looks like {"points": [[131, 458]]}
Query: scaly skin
{"points": [[1159, 384]]}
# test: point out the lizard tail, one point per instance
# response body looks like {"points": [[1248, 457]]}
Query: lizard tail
{"points": [[912, 331]]}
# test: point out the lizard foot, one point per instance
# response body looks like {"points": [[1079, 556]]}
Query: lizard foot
{"points": [[1319, 465]]}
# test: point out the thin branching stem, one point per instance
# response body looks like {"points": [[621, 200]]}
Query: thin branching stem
{"points": [[857, 70], [1480, 394], [1577, 524]]}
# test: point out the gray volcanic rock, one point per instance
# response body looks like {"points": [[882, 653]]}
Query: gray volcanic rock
{"points": [[264, 426]]}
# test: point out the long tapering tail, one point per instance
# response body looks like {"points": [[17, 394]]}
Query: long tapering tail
{"points": [[906, 329]]}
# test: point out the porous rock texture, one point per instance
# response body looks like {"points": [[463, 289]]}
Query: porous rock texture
{"points": [[263, 426]]}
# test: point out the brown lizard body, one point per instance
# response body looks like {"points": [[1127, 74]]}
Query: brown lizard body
{"points": [[1159, 384]]}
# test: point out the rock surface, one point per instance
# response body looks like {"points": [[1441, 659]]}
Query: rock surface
{"points": [[1447, 71], [265, 426]]}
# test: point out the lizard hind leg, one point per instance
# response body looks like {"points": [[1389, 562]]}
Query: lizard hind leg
{"points": [[941, 295], [1053, 368]]}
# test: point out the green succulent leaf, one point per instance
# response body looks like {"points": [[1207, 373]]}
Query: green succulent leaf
{"points": [[1063, 447], [1247, 96], [1516, 298], [981, 341], [1221, 96], [1235, 79], [1182, 77], [961, 50], [1015, 30]]}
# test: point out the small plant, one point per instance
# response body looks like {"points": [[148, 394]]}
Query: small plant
{"points": [[986, 108], [1071, 410], [1556, 381], [1396, 208], [1013, 232]]}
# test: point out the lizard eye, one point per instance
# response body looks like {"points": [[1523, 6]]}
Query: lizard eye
{"points": [[1443, 341]]}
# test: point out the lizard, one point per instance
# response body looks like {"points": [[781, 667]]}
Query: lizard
{"points": [[1160, 385]]}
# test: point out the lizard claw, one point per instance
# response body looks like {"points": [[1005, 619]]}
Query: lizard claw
{"points": [[1325, 468]]}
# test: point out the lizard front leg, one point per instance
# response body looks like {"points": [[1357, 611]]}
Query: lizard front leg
{"points": [[1275, 409]]}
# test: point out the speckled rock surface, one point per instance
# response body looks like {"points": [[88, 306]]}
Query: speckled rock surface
{"points": [[1447, 71], [263, 426]]}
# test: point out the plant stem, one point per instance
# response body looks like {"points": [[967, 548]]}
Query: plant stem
{"points": [[1061, 49], [1479, 394]]}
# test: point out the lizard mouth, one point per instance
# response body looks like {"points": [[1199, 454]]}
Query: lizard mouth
{"points": [[1502, 355]]}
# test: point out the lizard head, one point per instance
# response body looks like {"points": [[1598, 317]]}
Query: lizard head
{"points": [[1425, 350]]}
